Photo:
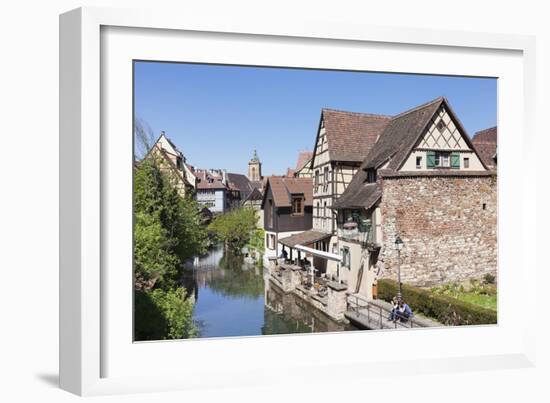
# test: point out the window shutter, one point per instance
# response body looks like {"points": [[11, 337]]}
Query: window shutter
{"points": [[455, 160], [430, 159]]}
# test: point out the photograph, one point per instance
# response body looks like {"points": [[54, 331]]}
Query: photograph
{"points": [[275, 200]]}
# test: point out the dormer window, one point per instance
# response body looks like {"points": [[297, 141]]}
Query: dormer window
{"points": [[371, 175]]}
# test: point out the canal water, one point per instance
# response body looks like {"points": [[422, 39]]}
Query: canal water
{"points": [[233, 298]]}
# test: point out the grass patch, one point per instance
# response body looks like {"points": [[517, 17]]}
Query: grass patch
{"points": [[441, 304], [485, 301], [476, 292]]}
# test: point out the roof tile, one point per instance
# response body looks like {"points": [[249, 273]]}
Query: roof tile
{"points": [[351, 135]]}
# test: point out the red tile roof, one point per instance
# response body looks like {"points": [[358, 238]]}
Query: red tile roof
{"points": [[303, 158], [239, 182], [485, 142], [394, 145], [209, 181], [351, 135], [284, 188]]}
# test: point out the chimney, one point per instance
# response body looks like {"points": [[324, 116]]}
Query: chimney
{"points": [[224, 176]]}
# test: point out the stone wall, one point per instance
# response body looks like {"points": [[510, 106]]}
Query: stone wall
{"points": [[448, 226]]}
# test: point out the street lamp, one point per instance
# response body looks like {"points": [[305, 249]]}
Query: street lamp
{"points": [[398, 244]]}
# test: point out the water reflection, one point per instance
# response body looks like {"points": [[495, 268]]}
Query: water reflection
{"points": [[233, 299]]}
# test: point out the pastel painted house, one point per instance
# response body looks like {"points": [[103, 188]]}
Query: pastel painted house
{"points": [[212, 190]]}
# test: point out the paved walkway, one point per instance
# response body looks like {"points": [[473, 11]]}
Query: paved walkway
{"points": [[373, 315]]}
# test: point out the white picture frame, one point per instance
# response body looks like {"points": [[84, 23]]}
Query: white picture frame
{"points": [[96, 357]]}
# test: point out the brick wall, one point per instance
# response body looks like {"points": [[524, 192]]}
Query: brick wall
{"points": [[448, 234]]}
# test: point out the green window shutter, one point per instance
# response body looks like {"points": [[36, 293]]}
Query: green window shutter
{"points": [[455, 160], [430, 159]]}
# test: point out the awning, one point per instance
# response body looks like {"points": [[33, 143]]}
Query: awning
{"points": [[304, 238], [319, 253]]}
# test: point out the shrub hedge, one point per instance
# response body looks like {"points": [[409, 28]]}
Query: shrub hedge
{"points": [[445, 309]]}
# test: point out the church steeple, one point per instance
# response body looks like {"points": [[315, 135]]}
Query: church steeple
{"points": [[255, 168]]}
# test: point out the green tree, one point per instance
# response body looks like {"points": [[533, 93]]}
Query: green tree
{"points": [[167, 231], [154, 264], [168, 228], [235, 228], [155, 259], [163, 315]]}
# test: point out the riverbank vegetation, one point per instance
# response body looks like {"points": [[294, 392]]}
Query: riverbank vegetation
{"points": [[256, 245], [235, 229], [478, 292], [168, 230], [446, 309]]}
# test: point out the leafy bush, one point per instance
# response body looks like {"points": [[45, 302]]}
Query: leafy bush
{"points": [[154, 264], [489, 278], [257, 245], [235, 228], [168, 228], [161, 315], [442, 307]]}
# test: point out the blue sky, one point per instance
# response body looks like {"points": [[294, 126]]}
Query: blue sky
{"points": [[217, 115]]}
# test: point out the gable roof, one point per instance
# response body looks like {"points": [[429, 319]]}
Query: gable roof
{"points": [[400, 134], [283, 188], [239, 182], [303, 158], [187, 170], [204, 184], [395, 144], [485, 142], [254, 196], [258, 184], [173, 167], [162, 134], [350, 135], [404, 131]]}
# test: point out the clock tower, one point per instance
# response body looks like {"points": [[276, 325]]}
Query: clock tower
{"points": [[255, 168]]}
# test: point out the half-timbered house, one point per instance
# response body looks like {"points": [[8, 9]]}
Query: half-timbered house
{"points": [[342, 141], [303, 166], [425, 182], [173, 163]]}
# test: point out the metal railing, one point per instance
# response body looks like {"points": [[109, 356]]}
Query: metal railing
{"points": [[376, 314]]}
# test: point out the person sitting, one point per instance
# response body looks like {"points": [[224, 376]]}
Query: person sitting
{"points": [[393, 312], [404, 311]]}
